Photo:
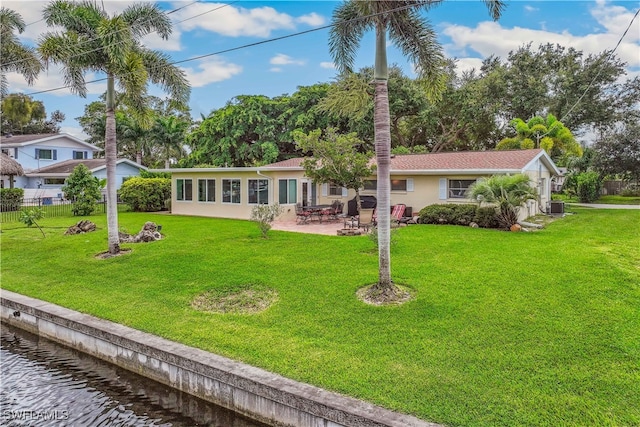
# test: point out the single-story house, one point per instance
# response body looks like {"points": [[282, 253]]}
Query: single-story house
{"points": [[48, 181], [417, 180]]}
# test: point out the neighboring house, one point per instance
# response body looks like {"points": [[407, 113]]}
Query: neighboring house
{"points": [[417, 180], [48, 159]]}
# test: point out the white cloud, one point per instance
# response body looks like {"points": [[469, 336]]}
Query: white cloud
{"points": [[312, 19], [211, 71], [490, 38], [467, 64], [328, 65], [275, 69], [53, 79], [529, 8], [231, 21], [282, 59]]}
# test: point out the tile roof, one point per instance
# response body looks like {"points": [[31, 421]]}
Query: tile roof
{"points": [[455, 161], [465, 160]]}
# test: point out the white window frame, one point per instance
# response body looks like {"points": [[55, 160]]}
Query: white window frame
{"points": [[231, 182], [454, 192], [259, 191], [187, 196], [286, 200], [207, 193]]}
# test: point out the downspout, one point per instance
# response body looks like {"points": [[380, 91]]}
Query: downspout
{"points": [[271, 185]]}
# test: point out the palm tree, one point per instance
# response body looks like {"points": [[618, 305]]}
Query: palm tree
{"points": [[94, 41], [168, 136], [507, 192], [415, 38], [13, 55]]}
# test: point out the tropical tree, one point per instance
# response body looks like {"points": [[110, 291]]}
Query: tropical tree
{"points": [[506, 192], [415, 38], [167, 135], [619, 153], [83, 189], [547, 133], [94, 41], [14, 56], [335, 159]]}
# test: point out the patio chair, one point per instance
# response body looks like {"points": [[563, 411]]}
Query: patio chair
{"points": [[398, 213], [365, 219], [302, 216]]}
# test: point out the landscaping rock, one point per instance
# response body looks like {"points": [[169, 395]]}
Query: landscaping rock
{"points": [[516, 227], [473, 225], [81, 227], [149, 233]]}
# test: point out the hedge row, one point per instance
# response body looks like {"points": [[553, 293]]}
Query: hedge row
{"points": [[146, 194], [459, 214], [11, 199]]}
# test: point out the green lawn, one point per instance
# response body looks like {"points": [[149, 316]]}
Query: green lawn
{"points": [[607, 200], [511, 329]]}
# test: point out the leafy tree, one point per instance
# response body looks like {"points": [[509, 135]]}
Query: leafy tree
{"points": [[21, 114], [335, 159], [30, 217], [83, 189], [619, 153], [588, 186], [584, 91], [411, 33], [14, 56], [94, 41], [546, 133], [507, 192]]}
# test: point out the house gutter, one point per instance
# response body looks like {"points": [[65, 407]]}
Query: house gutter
{"points": [[270, 181]]}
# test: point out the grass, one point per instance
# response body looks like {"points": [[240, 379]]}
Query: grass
{"points": [[607, 200], [511, 329]]}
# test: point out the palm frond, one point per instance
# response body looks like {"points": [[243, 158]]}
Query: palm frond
{"points": [[10, 21], [495, 8], [144, 18], [345, 35], [114, 38], [167, 75]]}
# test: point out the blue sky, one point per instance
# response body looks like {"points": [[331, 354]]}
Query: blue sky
{"points": [[279, 67]]}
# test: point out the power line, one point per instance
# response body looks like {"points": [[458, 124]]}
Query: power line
{"points": [[248, 45]]}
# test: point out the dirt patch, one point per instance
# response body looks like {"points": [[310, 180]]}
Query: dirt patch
{"points": [[387, 295], [247, 299], [107, 255]]}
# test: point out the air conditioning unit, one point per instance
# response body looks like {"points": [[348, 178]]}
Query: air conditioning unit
{"points": [[556, 207]]}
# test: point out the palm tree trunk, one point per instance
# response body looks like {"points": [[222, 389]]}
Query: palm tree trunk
{"points": [[110, 156], [382, 127]]}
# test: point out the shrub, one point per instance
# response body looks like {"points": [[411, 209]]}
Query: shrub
{"points": [[31, 217], [632, 190], [84, 189], [486, 217], [264, 215], [146, 194], [589, 185], [10, 199], [451, 213]]}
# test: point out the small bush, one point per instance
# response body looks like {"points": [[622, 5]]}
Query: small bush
{"points": [[146, 194], [486, 217], [84, 189], [451, 213], [589, 185], [264, 215], [632, 190], [10, 199]]}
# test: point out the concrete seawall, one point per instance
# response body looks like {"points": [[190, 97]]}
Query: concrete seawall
{"points": [[247, 390]]}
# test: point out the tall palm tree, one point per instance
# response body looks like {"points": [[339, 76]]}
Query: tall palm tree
{"points": [[413, 35], [14, 56], [94, 41], [168, 135]]}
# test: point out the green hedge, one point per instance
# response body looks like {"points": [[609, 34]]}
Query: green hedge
{"points": [[459, 214], [10, 199], [146, 194]]}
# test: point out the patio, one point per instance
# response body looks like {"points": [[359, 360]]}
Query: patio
{"points": [[329, 228]]}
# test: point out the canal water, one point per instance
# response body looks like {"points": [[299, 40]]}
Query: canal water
{"points": [[46, 384]]}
